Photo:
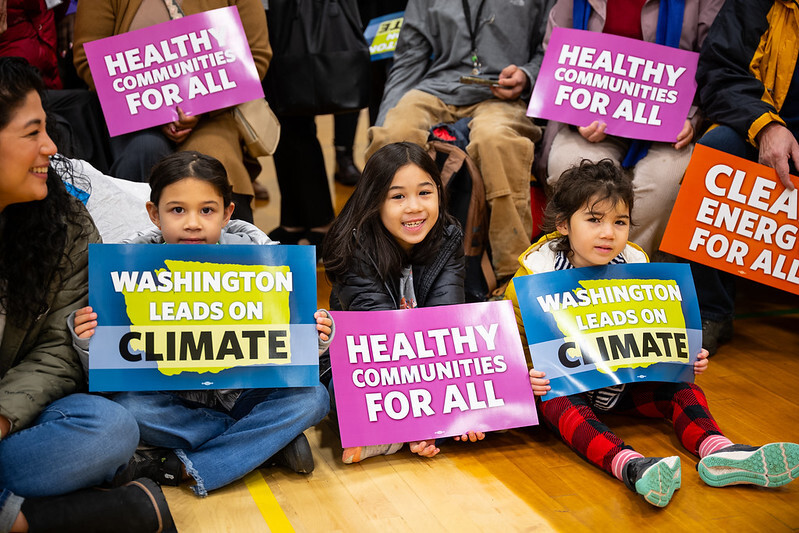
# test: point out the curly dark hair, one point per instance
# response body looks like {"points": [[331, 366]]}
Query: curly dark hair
{"points": [[581, 184], [361, 217], [32, 234]]}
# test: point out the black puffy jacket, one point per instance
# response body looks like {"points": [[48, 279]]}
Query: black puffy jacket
{"points": [[438, 283]]}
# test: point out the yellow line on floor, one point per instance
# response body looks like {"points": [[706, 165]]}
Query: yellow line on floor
{"points": [[267, 504]]}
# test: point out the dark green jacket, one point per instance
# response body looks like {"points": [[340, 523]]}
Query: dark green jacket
{"points": [[37, 362]]}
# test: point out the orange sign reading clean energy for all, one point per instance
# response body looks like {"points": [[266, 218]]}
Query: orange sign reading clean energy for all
{"points": [[736, 215]]}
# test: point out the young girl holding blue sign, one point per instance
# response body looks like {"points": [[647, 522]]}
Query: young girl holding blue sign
{"points": [[589, 220], [394, 246], [218, 436]]}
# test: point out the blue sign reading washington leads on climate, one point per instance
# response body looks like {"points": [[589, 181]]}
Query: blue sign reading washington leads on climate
{"points": [[593, 327], [179, 317]]}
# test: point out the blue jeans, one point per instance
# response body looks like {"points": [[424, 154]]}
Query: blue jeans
{"points": [[78, 441], [217, 446], [10, 505]]}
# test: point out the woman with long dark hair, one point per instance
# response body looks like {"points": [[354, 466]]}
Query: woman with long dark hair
{"points": [[53, 440]]}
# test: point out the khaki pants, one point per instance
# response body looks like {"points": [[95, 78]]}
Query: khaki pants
{"points": [[656, 178], [501, 145]]}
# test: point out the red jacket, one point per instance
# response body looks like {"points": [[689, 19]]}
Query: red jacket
{"points": [[32, 34]]}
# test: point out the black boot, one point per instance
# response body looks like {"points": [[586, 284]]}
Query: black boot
{"points": [[138, 507], [296, 456], [159, 464], [715, 333], [346, 171]]}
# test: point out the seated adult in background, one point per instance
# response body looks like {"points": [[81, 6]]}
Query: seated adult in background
{"points": [[53, 441], [213, 133], [657, 168], [749, 87], [441, 41]]}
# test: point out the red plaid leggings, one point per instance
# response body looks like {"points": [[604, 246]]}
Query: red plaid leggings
{"points": [[573, 418]]}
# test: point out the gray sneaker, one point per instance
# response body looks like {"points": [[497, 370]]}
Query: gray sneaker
{"points": [[359, 453]]}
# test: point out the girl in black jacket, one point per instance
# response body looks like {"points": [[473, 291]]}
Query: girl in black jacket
{"points": [[394, 246]]}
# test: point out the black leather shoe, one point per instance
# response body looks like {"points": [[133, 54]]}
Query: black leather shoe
{"points": [[715, 333], [261, 192], [296, 455], [284, 236], [346, 171], [314, 238]]}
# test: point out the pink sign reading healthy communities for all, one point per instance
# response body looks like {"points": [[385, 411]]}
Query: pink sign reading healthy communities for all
{"points": [[640, 90], [425, 373], [200, 62]]}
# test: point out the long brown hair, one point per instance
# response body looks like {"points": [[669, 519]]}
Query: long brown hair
{"points": [[359, 223]]}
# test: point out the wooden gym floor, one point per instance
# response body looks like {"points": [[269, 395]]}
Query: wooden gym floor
{"points": [[526, 479]]}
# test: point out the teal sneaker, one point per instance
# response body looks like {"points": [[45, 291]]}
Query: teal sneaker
{"points": [[770, 465], [654, 478]]}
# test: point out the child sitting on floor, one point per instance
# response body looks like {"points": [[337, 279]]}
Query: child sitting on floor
{"points": [[395, 247], [589, 217], [214, 437]]}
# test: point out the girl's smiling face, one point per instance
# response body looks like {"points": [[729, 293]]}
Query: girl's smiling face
{"points": [[190, 211], [597, 233], [25, 150], [410, 209]]}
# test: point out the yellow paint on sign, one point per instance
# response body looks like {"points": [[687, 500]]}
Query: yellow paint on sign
{"points": [[198, 327]]}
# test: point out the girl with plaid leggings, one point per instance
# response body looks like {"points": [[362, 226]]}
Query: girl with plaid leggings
{"points": [[589, 219]]}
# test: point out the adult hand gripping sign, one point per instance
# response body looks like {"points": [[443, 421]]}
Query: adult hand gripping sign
{"points": [[432, 372], [736, 216], [640, 90]]}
